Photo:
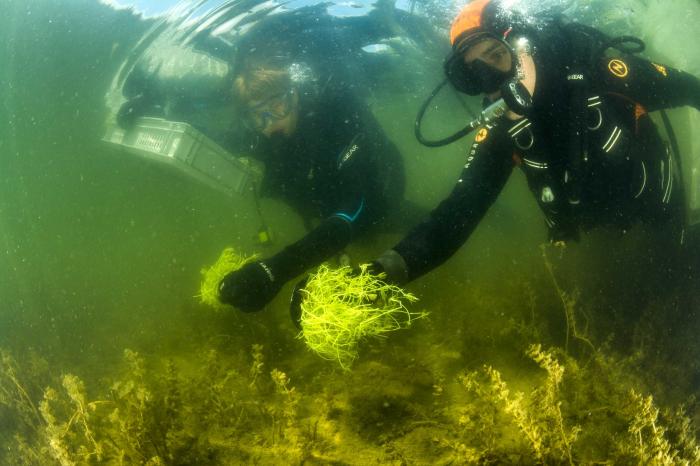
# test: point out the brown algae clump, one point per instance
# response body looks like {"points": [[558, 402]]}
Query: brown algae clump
{"points": [[340, 308], [227, 262]]}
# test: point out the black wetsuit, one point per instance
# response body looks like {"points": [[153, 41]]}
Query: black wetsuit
{"points": [[338, 166], [627, 174]]}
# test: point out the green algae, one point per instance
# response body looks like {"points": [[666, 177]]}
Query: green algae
{"points": [[341, 308]]}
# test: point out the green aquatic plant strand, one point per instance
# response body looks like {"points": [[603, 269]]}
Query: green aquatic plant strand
{"points": [[228, 261], [569, 301], [340, 308]]}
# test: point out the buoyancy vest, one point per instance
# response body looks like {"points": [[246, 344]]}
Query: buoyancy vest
{"points": [[583, 147]]}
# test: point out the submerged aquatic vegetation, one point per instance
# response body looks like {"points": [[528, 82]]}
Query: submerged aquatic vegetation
{"points": [[654, 441], [537, 415], [166, 414], [569, 302], [591, 417], [22, 425], [228, 261], [340, 308], [240, 404], [223, 409]]}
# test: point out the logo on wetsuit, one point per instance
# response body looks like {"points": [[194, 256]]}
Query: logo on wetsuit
{"points": [[618, 68], [481, 135], [661, 69], [347, 156]]}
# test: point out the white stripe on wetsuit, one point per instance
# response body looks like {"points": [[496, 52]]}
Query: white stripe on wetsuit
{"points": [[644, 181], [667, 194], [533, 164], [594, 101], [519, 126], [612, 140]]}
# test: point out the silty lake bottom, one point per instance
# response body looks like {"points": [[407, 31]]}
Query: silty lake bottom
{"points": [[529, 354]]}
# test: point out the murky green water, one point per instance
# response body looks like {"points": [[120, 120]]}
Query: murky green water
{"points": [[101, 252]]}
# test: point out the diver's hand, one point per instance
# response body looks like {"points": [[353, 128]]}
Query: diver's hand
{"points": [[249, 288], [393, 266]]}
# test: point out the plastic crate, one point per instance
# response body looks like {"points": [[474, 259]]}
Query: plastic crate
{"points": [[189, 151]]}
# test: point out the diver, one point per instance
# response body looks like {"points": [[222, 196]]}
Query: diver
{"points": [[326, 156], [581, 134]]}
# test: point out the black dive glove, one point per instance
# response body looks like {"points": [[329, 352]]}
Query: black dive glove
{"points": [[249, 288], [393, 265], [254, 285]]}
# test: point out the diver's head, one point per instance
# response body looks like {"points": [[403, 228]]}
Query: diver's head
{"points": [[269, 100], [481, 59]]}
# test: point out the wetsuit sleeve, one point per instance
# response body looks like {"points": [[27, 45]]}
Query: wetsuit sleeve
{"points": [[489, 164], [322, 242], [650, 84], [354, 194], [349, 217]]}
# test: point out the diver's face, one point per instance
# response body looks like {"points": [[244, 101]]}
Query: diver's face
{"points": [[275, 115], [492, 52]]}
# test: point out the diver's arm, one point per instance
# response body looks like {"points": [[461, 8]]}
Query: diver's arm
{"points": [[253, 286], [432, 242], [652, 85], [331, 236], [350, 213]]}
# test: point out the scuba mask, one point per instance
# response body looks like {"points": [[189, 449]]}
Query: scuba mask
{"points": [[260, 115], [478, 22], [478, 77]]}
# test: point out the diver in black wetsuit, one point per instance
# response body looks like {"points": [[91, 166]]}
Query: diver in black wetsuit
{"points": [[325, 155], [591, 154]]}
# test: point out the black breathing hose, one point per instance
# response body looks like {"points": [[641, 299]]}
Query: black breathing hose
{"points": [[419, 118]]}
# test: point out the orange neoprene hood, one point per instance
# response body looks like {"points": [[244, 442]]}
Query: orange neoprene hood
{"points": [[470, 19]]}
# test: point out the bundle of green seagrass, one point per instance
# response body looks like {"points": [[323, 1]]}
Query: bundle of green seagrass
{"points": [[340, 308], [228, 261]]}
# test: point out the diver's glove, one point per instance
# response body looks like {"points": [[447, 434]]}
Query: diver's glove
{"points": [[250, 288], [393, 265]]}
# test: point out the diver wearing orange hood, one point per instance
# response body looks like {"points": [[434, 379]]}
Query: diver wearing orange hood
{"points": [[590, 152]]}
